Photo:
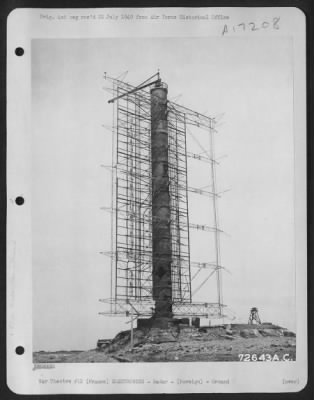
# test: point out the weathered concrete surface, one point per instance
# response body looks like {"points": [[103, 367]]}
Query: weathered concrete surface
{"points": [[271, 332], [288, 333], [249, 333]]}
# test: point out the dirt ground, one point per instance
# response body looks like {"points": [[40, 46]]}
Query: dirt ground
{"points": [[240, 343]]}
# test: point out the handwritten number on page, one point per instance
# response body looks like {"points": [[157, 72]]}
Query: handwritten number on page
{"points": [[251, 26]]}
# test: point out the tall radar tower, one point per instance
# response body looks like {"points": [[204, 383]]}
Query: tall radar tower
{"points": [[150, 251]]}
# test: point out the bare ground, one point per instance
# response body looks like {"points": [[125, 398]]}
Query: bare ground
{"points": [[263, 343]]}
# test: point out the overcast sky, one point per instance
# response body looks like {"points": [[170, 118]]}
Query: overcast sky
{"points": [[251, 82]]}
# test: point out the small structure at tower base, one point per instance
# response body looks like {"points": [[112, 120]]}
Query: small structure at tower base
{"points": [[161, 322]]}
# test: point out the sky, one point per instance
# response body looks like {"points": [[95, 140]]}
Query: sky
{"points": [[249, 84]]}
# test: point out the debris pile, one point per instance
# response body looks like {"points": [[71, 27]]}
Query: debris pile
{"points": [[188, 343]]}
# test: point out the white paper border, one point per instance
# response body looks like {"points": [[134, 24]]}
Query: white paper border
{"points": [[25, 25]]}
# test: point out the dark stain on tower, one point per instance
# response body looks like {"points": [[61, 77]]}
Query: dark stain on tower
{"points": [[161, 236]]}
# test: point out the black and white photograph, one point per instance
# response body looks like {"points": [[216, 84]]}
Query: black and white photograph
{"points": [[164, 198]]}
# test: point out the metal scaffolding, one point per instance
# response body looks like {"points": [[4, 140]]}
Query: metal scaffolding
{"points": [[131, 206]]}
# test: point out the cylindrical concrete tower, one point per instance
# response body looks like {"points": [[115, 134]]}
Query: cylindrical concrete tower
{"points": [[161, 237]]}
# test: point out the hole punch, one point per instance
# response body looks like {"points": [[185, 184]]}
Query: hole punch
{"points": [[20, 350], [19, 200], [19, 51]]}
